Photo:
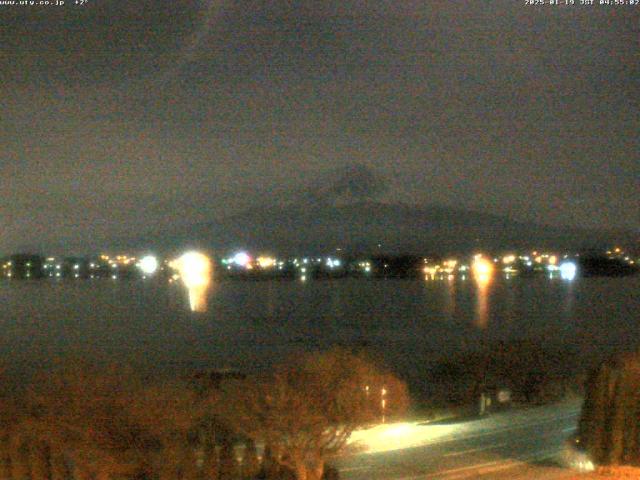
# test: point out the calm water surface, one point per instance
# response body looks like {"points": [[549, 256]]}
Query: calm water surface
{"points": [[249, 325]]}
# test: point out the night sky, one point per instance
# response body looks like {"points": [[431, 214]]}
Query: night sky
{"points": [[125, 117]]}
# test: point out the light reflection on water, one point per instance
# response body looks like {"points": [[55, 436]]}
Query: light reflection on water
{"points": [[195, 270], [252, 324], [198, 298], [482, 305]]}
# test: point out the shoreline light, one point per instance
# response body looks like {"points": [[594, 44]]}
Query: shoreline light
{"points": [[568, 270], [148, 264], [241, 259], [195, 273], [266, 262], [482, 269]]}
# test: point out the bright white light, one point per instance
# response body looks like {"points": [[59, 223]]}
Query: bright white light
{"points": [[568, 270], [195, 269], [241, 259], [333, 262], [398, 436], [195, 272], [148, 264]]}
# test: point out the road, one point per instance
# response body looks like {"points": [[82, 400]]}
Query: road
{"points": [[518, 444]]}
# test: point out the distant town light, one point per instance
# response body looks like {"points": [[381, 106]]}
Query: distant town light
{"points": [[430, 272], [568, 270], [241, 259], [148, 264], [195, 272], [194, 268], [482, 269], [333, 262], [266, 262]]}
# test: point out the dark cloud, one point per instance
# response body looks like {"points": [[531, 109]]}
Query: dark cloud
{"points": [[143, 114]]}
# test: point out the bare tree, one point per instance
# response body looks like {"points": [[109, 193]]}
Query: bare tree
{"points": [[308, 408]]}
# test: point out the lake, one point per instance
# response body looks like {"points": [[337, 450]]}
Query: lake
{"points": [[251, 324]]}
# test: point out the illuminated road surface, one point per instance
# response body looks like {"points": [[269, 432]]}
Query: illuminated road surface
{"points": [[522, 444]]}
